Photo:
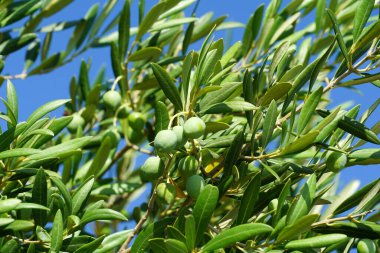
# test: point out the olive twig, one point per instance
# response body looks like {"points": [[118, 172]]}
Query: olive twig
{"points": [[151, 201]]}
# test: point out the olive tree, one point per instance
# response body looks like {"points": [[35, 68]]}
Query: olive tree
{"points": [[228, 148]]}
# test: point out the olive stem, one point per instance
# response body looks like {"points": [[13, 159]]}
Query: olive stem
{"points": [[348, 217]]}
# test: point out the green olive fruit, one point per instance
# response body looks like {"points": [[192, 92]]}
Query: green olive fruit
{"points": [[123, 111], [112, 99], [166, 193], [194, 128], [188, 166], [134, 136], [113, 135], [336, 161], [75, 123], [136, 120], [194, 186], [165, 141], [181, 139], [366, 246], [152, 169]]}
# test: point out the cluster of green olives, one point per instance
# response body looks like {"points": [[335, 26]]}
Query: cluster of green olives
{"points": [[169, 140]]}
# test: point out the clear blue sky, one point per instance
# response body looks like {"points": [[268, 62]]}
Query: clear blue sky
{"points": [[37, 90]]}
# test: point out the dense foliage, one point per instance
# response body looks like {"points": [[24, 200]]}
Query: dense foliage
{"points": [[239, 152]]}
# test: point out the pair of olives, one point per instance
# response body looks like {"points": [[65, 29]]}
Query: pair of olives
{"points": [[170, 140], [166, 192], [153, 168]]}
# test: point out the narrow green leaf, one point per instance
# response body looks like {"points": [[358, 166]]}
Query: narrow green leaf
{"points": [[300, 144], [236, 234], [203, 209], [252, 28], [354, 127], [233, 153], [65, 193], [369, 200], [301, 226], [90, 247], [229, 106], [145, 54], [100, 158], [171, 23], [11, 246], [207, 68], [5, 221], [124, 27], [43, 110], [113, 240], [321, 62], [320, 15], [18, 152], [364, 156], [39, 196], [231, 53], [7, 205], [31, 206], [223, 94], [279, 54], [174, 246], [155, 229], [150, 18], [285, 192], [308, 109], [20, 225], [161, 117], [299, 82], [47, 65], [57, 232], [339, 36], [12, 99], [315, 242], [101, 214], [269, 124], [61, 149], [291, 73], [362, 14], [275, 93], [249, 199], [81, 195], [11, 45], [303, 203], [366, 37], [362, 229], [190, 232], [167, 85]]}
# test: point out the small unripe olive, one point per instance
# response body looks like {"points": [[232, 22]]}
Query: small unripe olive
{"points": [[151, 169], [123, 112], [75, 123], [366, 246], [136, 120], [181, 139], [188, 166], [336, 161], [112, 99], [194, 128], [194, 186], [166, 193], [134, 136], [113, 135], [165, 141]]}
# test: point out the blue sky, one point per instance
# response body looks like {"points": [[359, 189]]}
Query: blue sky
{"points": [[37, 90]]}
